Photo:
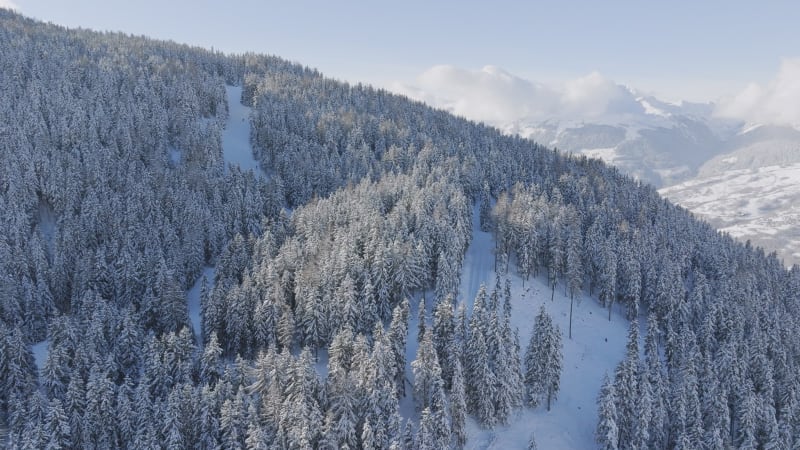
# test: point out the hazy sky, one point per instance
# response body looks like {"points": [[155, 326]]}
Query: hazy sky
{"points": [[698, 50]]}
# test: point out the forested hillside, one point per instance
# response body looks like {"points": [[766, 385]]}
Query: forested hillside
{"points": [[115, 197]]}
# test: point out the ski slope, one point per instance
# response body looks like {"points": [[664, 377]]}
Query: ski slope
{"points": [[194, 301], [596, 348], [236, 148]]}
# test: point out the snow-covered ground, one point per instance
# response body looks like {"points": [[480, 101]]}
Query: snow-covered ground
{"points": [[193, 298], [236, 148], [596, 348], [47, 226], [40, 351], [608, 155], [759, 204]]}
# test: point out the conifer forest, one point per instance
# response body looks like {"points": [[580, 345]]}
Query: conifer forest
{"points": [[154, 294]]}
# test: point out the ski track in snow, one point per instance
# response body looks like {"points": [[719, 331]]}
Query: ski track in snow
{"points": [[48, 227], [478, 262], [193, 299], [40, 351], [236, 148]]}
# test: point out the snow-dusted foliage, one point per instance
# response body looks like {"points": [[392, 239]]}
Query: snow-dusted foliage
{"points": [[116, 198]]}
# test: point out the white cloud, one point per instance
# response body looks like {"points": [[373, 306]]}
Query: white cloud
{"points": [[8, 4], [489, 94], [494, 95], [776, 103]]}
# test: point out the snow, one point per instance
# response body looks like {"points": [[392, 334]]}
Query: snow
{"points": [[757, 204], [730, 160], [608, 155], [40, 351], [478, 267], [175, 156], [750, 127], [193, 298], [236, 148], [652, 110], [596, 348], [47, 226]]}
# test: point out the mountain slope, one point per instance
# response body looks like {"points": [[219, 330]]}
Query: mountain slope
{"points": [[369, 203], [661, 144], [751, 191]]}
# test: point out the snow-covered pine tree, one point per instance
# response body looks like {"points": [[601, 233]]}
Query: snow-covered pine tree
{"points": [[427, 373], [607, 436], [543, 361], [458, 406]]}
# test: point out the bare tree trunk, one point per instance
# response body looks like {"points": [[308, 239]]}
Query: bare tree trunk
{"points": [[571, 301]]}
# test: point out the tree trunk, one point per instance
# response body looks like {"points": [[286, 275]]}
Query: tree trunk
{"points": [[571, 301]]}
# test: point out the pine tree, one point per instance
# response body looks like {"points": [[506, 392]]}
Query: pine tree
{"points": [[607, 431], [574, 262], [210, 365], [409, 439], [444, 338], [543, 361], [507, 367], [56, 427], [421, 318], [655, 380], [398, 331], [458, 407], [481, 382], [427, 373], [627, 390], [532, 442]]}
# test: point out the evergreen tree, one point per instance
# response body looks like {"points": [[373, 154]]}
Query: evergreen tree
{"points": [[458, 407], [532, 443], [210, 365], [233, 424], [398, 331], [627, 390], [56, 427], [543, 361], [607, 431], [480, 382], [427, 373], [444, 338], [574, 264]]}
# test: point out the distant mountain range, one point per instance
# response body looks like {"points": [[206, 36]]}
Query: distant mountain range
{"points": [[743, 178]]}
